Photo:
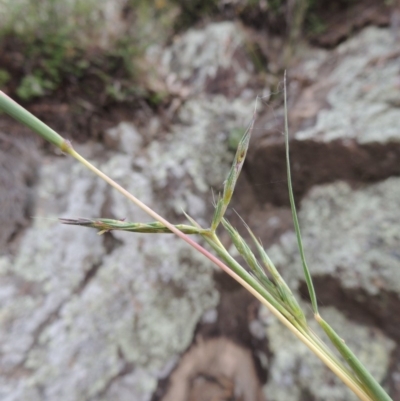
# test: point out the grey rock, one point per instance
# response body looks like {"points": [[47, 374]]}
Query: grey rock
{"points": [[86, 320], [124, 137], [363, 102], [195, 153], [343, 117], [212, 59], [353, 235], [81, 321], [16, 183]]}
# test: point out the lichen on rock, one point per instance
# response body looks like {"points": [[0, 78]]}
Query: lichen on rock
{"points": [[363, 99], [195, 156], [350, 234], [212, 59], [79, 316]]}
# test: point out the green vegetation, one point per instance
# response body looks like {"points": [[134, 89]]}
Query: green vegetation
{"points": [[68, 40], [4, 77], [51, 59]]}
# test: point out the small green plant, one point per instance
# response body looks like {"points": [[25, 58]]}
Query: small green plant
{"points": [[60, 41], [33, 86], [51, 58], [260, 278], [315, 25], [4, 77], [48, 41]]}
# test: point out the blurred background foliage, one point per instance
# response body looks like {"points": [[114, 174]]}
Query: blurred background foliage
{"points": [[46, 43]]}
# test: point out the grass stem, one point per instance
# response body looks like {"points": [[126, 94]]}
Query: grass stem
{"points": [[231, 266]]}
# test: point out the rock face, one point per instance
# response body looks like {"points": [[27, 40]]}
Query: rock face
{"points": [[93, 317], [16, 183], [334, 213], [364, 97], [344, 111], [344, 133], [89, 317], [350, 227], [212, 60]]}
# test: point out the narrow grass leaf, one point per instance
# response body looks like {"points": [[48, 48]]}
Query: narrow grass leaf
{"points": [[306, 270], [25, 117]]}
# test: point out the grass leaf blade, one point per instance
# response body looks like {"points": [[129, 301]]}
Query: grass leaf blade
{"points": [[25, 117], [306, 270]]}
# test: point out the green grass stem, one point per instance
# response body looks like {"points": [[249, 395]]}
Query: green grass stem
{"points": [[231, 266]]}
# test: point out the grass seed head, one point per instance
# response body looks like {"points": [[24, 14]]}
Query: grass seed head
{"points": [[233, 175], [106, 225]]}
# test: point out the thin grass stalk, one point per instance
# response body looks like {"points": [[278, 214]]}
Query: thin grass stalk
{"points": [[306, 270], [28, 119], [298, 322], [215, 243]]}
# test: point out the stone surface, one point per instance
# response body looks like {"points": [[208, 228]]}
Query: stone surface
{"points": [[115, 311], [213, 60], [349, 234], [16, 182], [363, 102], [343, 112], [71, 302]]}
